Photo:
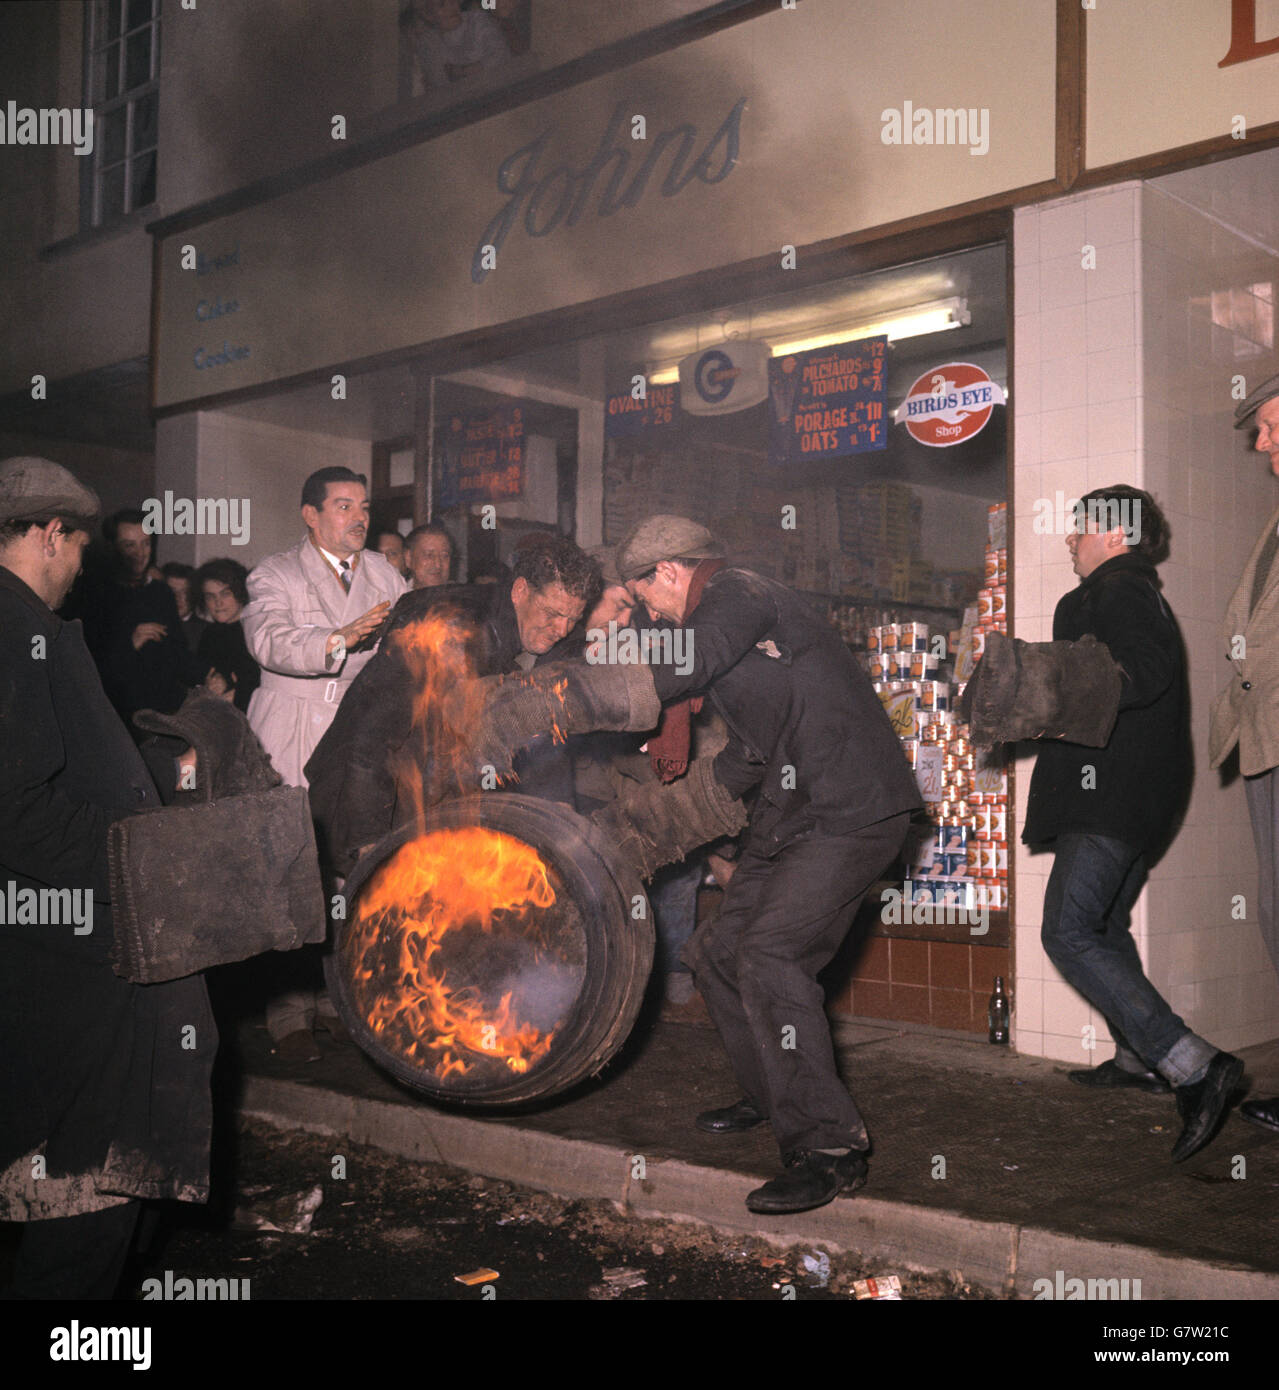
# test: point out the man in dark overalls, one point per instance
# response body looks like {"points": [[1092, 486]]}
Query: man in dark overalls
{"points": [[833, 795]]}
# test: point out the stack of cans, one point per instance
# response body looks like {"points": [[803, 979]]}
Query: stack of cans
{"points": [[992, 601], [962, 858]]}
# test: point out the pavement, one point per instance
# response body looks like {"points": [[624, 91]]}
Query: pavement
{"points": [[984, 1161]]}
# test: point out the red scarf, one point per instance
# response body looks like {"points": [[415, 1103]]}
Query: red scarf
{"points": [[668, 747]]}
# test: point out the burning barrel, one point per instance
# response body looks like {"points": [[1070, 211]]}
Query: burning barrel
{"points": [[490, 953]]}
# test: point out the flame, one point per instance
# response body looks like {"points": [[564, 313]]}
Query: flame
{"points": [[438, 883], [439, 651]]}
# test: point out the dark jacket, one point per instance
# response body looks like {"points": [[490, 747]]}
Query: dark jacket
{"points": [[805, 725], [109, 1080], [1141, 777], [223, 649], [153, 676], [356, 797]]}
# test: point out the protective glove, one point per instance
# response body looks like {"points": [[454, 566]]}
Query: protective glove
{"points": [[495, 717], [1065, 690], [657, 823]]}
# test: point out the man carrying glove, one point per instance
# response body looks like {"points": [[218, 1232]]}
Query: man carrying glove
{"points": [[1105, 810]]}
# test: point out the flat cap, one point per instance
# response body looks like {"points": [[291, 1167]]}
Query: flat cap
{"points": [[32, 488], [1246, 409], [605, 556], [665, 538]]}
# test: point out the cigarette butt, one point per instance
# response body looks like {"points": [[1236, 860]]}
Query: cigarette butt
{"points": [[477, 1276]]}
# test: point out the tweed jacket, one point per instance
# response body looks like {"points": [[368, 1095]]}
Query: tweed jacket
{"points": [[1246, 712]]}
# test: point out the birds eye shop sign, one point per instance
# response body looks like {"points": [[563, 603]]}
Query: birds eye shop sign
{"points": [[949, 404]]}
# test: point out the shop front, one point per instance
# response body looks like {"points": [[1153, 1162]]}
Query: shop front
{"points": [[793, 301]]}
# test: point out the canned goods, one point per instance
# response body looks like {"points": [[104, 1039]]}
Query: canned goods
{"points": [[936, 694], [979, 642], [985, 604], [973, 861], [888, 638], [998, 816], [999, 601], [872, 640]]}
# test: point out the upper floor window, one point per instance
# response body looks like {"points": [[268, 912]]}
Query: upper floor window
{"points": [[447, 41], [122, 85]]}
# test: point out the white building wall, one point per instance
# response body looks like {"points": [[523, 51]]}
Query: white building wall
{"points": [[1117, 378], [215, 454]]}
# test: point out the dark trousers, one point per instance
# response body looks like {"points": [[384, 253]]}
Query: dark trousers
{"points": [[756, 967], [1095, 882], [74, 1257]]}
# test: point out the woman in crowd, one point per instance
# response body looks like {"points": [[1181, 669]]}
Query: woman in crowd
{"points": [[222, 660]]}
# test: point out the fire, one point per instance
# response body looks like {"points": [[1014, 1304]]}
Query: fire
{"points": [[442, 882]]}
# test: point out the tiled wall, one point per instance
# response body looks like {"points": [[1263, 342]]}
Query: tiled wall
{"points": [[943, 984], [1117, 376]]}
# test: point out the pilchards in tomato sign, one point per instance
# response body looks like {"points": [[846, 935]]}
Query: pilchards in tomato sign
{"points": [[827, 402]]}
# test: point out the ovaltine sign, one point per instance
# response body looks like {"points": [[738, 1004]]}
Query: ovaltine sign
{"points": [[547, 196]]}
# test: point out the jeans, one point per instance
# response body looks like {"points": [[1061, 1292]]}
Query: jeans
{"points": [[1094, 883], [673, 896]]}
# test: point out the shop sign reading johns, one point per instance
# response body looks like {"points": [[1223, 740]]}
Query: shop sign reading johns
{"points": [[726, 149], [548, 196]]}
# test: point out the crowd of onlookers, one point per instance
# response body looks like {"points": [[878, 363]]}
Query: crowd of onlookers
{"points": [[157, 631]]}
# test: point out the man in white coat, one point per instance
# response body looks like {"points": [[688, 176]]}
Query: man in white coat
{"points": [[310, 622]]}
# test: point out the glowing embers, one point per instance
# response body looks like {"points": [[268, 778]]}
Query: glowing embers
{"points": [[465, 955]]}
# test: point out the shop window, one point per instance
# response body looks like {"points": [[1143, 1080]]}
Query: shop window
{"points": [[850, 440], [122, 72]]}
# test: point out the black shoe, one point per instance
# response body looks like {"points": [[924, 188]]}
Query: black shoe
{"points": [[1203, 1105], [811, 1180], [1110, 1074], [1262, 1112], [731, 1118]]}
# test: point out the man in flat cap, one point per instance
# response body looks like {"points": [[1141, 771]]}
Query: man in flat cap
{"points": [[1246, 711], [832, 800], [104, 1091]]}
